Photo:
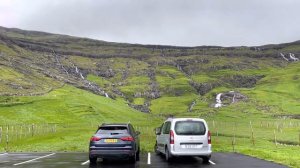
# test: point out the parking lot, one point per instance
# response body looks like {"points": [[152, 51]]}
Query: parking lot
{"points": [[80, 160]]}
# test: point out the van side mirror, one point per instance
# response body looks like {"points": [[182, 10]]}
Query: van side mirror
{"points": [[157, 131]]}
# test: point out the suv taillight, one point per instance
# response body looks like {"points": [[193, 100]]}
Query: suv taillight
{"points": [[208, 137], [171, 137], [129, 138], [94, 138]]}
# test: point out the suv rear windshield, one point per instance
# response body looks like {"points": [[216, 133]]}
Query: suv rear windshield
{"points": [[112, 129], [190, 128]]}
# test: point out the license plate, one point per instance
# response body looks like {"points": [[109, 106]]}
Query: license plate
{"points": [[110, 140], [191, 146]]}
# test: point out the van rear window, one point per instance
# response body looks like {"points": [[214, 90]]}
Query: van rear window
{"points": [[190, 128]]}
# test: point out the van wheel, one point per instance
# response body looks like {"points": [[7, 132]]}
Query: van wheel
{"points": [[156, 149], [206, 159], [168, 155]]}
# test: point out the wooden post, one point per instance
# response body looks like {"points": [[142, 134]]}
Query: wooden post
{"points": [[275, 138], [32, 130], [0, 135], [299, 138], [7, 142], [233, 140], [21, 131]]}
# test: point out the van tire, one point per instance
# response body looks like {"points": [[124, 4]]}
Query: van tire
{"points": [[156, 149], [206, 159], [168, 155]]}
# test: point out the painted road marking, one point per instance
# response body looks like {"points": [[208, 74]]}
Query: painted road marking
{"points": [[84, 163], [149, 158], [28, 161], [212, 162], [3, 154]]}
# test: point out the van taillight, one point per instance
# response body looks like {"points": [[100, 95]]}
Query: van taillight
{"points": [[171, 137], [208, 137], [94, 138]]}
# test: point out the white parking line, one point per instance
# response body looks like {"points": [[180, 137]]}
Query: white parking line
{"points": [[212, 162], [28, 161], [84, 163], [149, 158], [2, 154]]}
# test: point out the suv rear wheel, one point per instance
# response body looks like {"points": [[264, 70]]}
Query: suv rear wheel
{"points": [[93, 160], [133, 158], [138, 155]]}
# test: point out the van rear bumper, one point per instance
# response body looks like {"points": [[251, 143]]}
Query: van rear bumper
{"points": [[201, 152]]}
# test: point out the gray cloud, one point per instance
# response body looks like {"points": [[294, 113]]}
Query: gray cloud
{"points": [[171, 22]]}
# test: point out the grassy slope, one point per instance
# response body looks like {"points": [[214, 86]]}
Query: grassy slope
{"points": [[66, 106], [78, 112]]}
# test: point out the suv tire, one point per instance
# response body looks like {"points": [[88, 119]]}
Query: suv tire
{"points": [[133, 158], [138, 155], [93, 160]]}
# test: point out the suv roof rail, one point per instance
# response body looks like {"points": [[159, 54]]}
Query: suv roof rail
{"points": [[101, 125]]}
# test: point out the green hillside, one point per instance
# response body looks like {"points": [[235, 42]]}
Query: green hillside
{"points": [[56, 89]]}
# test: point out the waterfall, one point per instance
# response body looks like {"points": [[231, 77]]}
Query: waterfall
{"points": [[81, 76], [106, 95], [218, 100], [292, 56], [282, 55]]}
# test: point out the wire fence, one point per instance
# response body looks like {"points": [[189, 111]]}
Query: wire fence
{"points": [[234, 134], [11, 133]]}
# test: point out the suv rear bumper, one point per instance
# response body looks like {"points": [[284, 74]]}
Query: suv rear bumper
{"points": [[113, 153]]}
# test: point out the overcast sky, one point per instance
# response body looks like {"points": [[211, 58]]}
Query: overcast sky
{"points": [[170, 22]]}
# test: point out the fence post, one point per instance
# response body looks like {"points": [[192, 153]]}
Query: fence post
{"points": [[6, 142], [0, 135], [299, 138], [275, 139], [233, 139], [32, 130], [21, 131]]}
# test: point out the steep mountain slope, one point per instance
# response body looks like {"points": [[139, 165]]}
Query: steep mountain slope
{"points": [[78, 83], [163, 80]]}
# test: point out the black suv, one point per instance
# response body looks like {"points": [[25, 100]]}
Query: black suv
{"points": [[115, 141]]}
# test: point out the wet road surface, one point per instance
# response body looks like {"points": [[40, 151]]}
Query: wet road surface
{"points": [[80, 160]]}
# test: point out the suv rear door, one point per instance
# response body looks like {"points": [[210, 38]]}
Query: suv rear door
{"points": [[190, 135], [111, 136]]}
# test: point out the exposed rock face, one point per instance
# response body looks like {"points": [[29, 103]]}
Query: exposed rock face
{"points": [[241, 81]]}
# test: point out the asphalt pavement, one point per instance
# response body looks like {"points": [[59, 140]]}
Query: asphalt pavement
{"points": [[80, 160]]}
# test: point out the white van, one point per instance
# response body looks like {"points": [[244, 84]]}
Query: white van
{"points": [[184, 137]]}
